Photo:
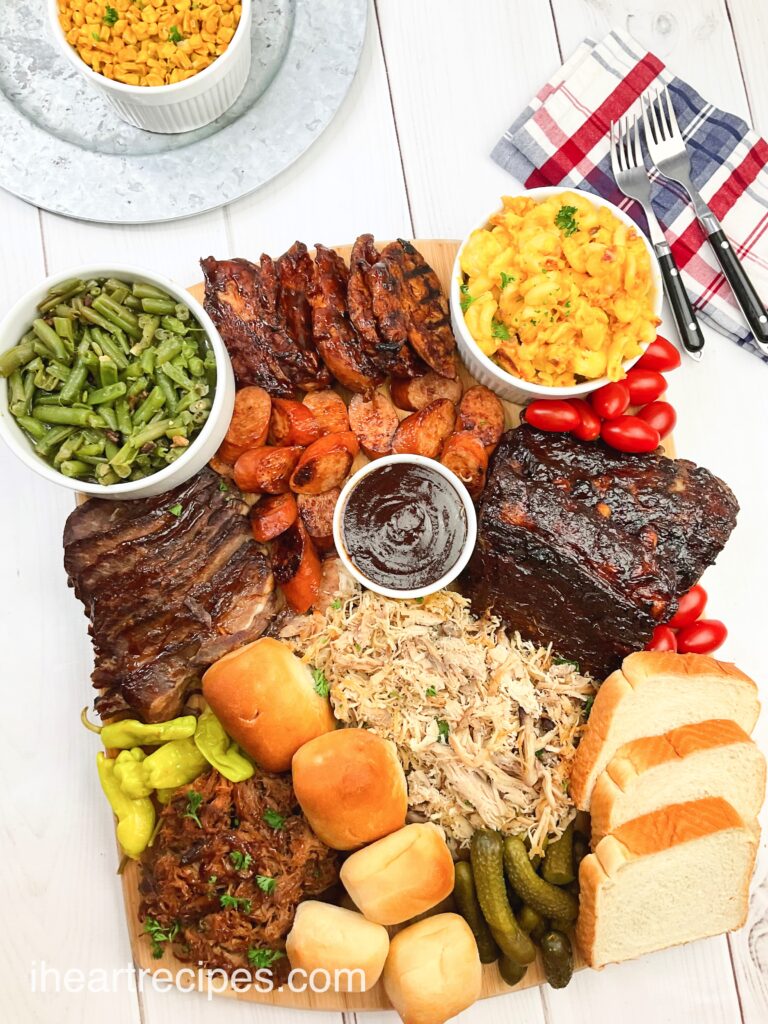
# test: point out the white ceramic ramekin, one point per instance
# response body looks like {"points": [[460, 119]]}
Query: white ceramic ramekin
{"points": [[202, 448], [483, 368], [462, 494], [183, 106]]}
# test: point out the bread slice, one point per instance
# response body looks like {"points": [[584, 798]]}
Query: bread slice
{"points": [[653, 692], [714, 758], [672, 876]]}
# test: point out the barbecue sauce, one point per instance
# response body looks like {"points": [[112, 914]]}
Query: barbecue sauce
{"points": [[404, 526]]}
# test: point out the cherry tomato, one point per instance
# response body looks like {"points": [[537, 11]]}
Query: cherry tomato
{"points": [[645, 386], [660, 355], [589, 426], [663, 639], [630, 434], [552, 414], [611, 400], [689, 607], [659, 415], [701, 637]]}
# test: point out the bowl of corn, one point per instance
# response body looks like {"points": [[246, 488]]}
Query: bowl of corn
{"points": [[165, 67]]}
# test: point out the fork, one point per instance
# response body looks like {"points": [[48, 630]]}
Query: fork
{"points": [[631, 177], [668, 151]]}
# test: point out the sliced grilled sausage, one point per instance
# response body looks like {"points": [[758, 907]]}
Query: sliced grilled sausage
{"points": [[374, 423], [316, 511], [465, 455], [329, 410], [297, 569], [292, 423], [272, 516], [325, 464], [482, 414], [425, 432], [249, 424], [266, 470], [417, 392]]}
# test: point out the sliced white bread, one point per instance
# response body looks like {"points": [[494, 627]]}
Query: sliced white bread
{"points": [[672, 876], [653, 692], [713, 758]]}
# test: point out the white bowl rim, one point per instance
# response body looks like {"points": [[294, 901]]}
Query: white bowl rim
{"points": [[169, 90], [545, 390], [469, 511], [20, 445]]}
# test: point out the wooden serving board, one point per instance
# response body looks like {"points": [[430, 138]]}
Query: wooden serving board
{"points": [[441, 255]]}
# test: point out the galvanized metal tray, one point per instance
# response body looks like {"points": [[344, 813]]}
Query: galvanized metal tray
{"points": [[64, 149]]}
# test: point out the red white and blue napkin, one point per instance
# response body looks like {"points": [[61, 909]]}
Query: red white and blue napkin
{"points": [[562, 138]]}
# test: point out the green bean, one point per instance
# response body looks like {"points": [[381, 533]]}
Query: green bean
{"points": [[174, 325], [110, 448], [165, 385], [152, 432], [68, 448], [148, 360], [124, 456], [70, 416], [147, 291], [119, 293], [64, 328], [108, 415], [107, 372], [59, 370], [105, 475], [107, 395], [168, 350], [17, 395], [149, 325], [50, 338], [16, 357], [182, 311], [158, 306], [137, 387], [197, 366], [110, 348], [45, 381], [119, 315], [60, 293], [133, 370], [178, 376], [74, 468], [75, 382], [93, 317], [63, 311], [153, 403], [52, 439], [32, 426], [91, 450], [123, 413]]}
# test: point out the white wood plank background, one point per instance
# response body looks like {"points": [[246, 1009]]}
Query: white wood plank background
{"points": [[407, 154]]}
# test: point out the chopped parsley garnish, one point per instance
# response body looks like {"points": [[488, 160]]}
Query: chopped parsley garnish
{"points": [[431, 691], [223, 486], [174, 35], [266, 883], [235, 902], [565, 220], [499, 330], [176, 510], [96, 37], [159, 935], [213, 879], [322, 686], [110, 17], [336, 604], [466, 298], [540, 754], [566, 661], [443, 730], [194, 800], [264, 957], [505, 279], [274, 819], [241, 861]]}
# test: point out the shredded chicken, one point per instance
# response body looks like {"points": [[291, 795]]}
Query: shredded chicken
{"points": [[485, 725]]}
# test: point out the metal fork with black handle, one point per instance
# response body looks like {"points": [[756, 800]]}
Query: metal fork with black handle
{"points": [[666, 148], [632, 178]]}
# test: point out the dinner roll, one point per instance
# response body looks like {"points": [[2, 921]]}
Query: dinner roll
{"points": [[433, 970], [351, 787], [327, 937], [400, 876], [266, 700]]}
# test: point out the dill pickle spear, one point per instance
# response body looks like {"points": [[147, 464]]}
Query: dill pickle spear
{"points": [[557, 866], [511, 971], [557, 959], [542, 896], [466, 900], [487, 853], [532, 922]]}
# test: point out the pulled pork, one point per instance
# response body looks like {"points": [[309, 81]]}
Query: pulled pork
{"points": [[217, 909], [485, 724]]}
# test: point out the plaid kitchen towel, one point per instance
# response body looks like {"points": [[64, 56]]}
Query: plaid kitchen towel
{"points": [[561, 138]]}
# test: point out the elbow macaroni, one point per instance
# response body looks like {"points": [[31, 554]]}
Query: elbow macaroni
{"points": [[149, 42], [558, 291]]}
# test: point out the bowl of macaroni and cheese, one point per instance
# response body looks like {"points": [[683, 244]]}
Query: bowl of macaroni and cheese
{"points": [[166, 67], [554, 295]]}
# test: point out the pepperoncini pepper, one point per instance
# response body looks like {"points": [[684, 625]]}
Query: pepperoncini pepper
{"points": [[219, 750], [131, 773], [132, 733], [135, 818], [176, 763]]}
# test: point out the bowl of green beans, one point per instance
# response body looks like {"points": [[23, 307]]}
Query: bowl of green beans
{"points": [[113, 382]]}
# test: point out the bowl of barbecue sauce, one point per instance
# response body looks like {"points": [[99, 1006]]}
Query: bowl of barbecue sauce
{"points": [[404, 526]]}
